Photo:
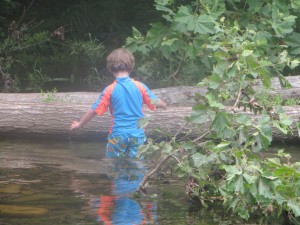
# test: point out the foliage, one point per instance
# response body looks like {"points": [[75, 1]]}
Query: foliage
{"points": [[39, 58], [49, 96], [235, 43], [65, 39], [198, 28]]}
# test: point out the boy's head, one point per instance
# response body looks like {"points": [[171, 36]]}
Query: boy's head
{"points": [[120, 60]]}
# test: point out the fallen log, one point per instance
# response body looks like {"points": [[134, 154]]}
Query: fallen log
{"points": [[50, 114]]}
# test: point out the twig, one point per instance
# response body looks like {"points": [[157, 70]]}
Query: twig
{"points": [[174, 138], [176, 158], [173, 75], [238, 98], [202, 136]]}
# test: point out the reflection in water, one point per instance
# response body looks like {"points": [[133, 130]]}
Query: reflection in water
{"points": [[62, 183], [119, 207]]}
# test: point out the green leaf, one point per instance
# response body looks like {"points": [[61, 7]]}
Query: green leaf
{"points": [[199, 159], [284, 171], [198, 117], [167, 148], [265, 187], [255, 5], [246, 53], [204, 25], [284, 26], [242, 212], [169, 42], [232, 169], [274, 162], [284, 82], [214, 81], [279, 127], [265, 77], [222, 145], [136, 32], [294, 42], [231, 72], [239, 184], [156, 34], [190, 22], [188, 145], [220, 122], [295, 4], [294, 206], [243, 119], [213, 101], [184, 16]]}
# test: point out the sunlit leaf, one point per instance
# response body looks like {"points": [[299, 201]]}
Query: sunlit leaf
{"points": [[169, 42], [213, 101], [246, 53], [285, 171], [295, 207], [222, 145], [199, 159], [295, 4], [279, 127], [274, 162], [232, 169]]}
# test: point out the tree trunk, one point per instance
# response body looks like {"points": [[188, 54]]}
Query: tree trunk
{"points": [[50, 114]]}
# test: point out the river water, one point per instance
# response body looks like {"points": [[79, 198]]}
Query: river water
{"points": [[48, 182]]}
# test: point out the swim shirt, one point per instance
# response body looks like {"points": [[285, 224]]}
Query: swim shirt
{"points": [[125, 98]]}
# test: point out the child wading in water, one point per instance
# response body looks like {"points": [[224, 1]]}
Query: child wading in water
{"points": [[124, 98]]}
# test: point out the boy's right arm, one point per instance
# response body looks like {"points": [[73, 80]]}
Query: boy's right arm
{"points": [[86, 118]]}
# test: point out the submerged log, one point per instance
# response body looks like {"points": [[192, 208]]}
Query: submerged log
{"points": [[50, 115]]}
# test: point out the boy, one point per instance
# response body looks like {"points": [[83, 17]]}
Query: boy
{"points": [[124, 98]]}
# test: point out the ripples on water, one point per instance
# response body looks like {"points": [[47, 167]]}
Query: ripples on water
{"points": [[44, 182]]}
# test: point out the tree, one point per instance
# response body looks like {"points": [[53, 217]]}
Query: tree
{"points": [[232, 44]]}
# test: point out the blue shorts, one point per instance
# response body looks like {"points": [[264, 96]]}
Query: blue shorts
{"points": [[123, 146]]}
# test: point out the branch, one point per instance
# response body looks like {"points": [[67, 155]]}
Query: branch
{"points": [[150, 173], [25, 11], [173, 75]]}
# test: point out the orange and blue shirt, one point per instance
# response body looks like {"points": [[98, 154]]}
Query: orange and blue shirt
{"points": [[125, 98]]}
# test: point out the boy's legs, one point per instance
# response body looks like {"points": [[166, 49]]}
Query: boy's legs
{"points": [[123, 146]]}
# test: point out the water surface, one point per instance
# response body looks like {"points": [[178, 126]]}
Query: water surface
{"points": [[48, 182]]}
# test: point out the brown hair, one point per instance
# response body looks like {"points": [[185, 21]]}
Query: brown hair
{"points": [[120, 59]]}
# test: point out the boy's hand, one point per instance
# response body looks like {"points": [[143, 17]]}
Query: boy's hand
{"points": [[161, 104], [75, 126]]}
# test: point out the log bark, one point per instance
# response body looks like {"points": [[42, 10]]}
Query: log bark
{"points": [[50, 115]]}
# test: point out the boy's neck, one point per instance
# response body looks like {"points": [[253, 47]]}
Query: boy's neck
{"points": [[121, 74]]}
